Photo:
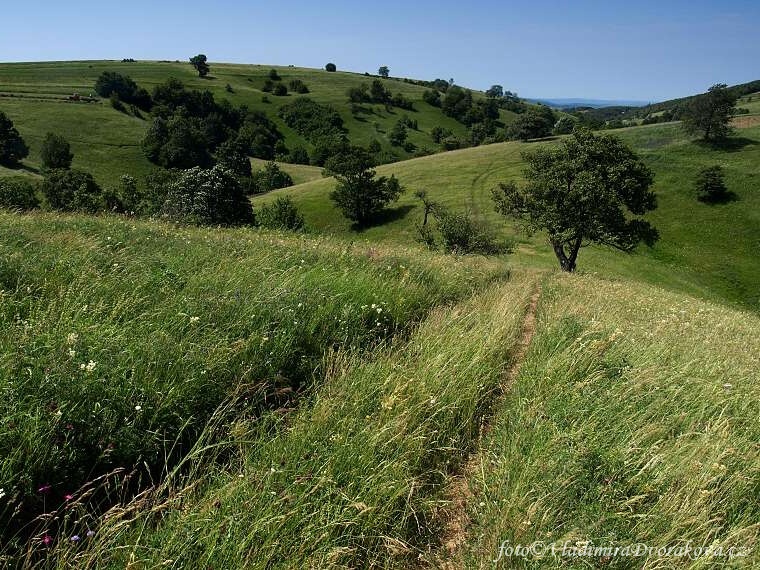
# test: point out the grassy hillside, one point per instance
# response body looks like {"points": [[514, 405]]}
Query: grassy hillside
{"points": [[106, 142], [119, 339], [705, 250], [633, 421]]}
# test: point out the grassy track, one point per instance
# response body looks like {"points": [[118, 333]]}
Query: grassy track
{"points": [[634, 420]]}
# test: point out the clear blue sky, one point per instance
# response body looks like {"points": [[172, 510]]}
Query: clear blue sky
{"points": [[646, 50]]}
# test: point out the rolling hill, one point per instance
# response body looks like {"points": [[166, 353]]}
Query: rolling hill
{"points": [[705, 250], [181, 396], [106, 142]]}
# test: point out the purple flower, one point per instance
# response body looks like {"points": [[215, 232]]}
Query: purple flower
{"points": [[68, 497], [45, 489], [76, 538], [47, 540], [90, 533]]}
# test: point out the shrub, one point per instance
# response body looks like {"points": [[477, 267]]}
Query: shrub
{"points": [[432, 97], [564, 126], [311, 119], [55, 152], [200, 63], [73, 190], [179, 142], [269, 178], [359, 194], [268, 86], [331, 67], [231, 155], [531, 125], [397, 136], [298, 155], [273, 75], [126, 89], [710, 184], [207, 197], [438, 133], [18, 194], [282, 214], [280, 90], [298, 86], [12, 146], [460, 233]]}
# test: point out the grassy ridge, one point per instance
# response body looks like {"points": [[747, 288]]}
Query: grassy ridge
{"points": [[354, 479], [704, 250], [634, 420], [119, 338], [106, 142]]}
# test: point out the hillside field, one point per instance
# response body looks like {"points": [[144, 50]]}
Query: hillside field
{"points": [[106, 142], [707, 250]]}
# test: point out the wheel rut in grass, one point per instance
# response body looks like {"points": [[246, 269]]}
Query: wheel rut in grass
{"points": [[459, 495]]}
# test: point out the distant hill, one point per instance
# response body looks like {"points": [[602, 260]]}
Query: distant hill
{"points": [[570, 103]]}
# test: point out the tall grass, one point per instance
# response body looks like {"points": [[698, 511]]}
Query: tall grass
{"points": [[119, 339], [352, 480], [634, 420]]}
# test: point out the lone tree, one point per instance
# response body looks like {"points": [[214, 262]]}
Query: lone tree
{"points": [[331, 67], [586, 190], [55, 152], [495, 92], [709, 115], [200, 65], [359, 194], [710, 185], [384, 72], [12, 146]]}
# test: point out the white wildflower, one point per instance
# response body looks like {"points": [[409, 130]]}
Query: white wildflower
{"points": [[72, 338], [91, 366], [72, 353], [194, 320], [2, 493]]}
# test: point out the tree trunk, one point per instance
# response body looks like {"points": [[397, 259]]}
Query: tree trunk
{"points": [[567, 259]]}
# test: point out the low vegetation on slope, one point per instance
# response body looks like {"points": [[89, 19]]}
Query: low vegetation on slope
{"points": [[119, 339], [633, 421], [704, 249]]}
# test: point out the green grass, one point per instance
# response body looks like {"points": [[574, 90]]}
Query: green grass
{"points": [[120, 338], [704, 250], [106, 142], [353, 479], [300, 173], [634, 420]]}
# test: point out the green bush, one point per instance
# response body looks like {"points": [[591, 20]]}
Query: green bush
{"points": [[207, 197], [331, 67], [461, 234], [269, 178], [55, 152], [282, 214], [280, 90], [231, 155], [12, 146], [72, 191], [710, 184], [18, 194], [298, 155], [298, 86]]}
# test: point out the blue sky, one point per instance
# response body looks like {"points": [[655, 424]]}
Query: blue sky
{"points": [[646, 50]]}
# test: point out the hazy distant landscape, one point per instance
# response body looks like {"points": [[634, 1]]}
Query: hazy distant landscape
{"points": [[259, 315]]}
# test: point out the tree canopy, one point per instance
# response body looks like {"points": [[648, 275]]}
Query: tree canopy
{"points": [[199, 62], [709, 115], [12, 146], [588, 189]]}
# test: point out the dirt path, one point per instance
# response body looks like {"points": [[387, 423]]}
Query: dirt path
{"points": [[458, 493]]}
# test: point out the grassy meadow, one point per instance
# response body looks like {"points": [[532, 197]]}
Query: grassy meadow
{"points": [[203, 397], [704, 250], [106, 142]]}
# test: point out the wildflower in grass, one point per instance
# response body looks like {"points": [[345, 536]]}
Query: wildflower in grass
{"points": [[138, 408], [2, 493], [72, 338], [76, 538], [68, 497], [194, 320], [90, 533], [45, 489], [89, 367], [47, 540], [72, 353]]}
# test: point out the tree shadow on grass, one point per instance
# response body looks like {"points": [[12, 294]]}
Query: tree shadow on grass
{"points": [[725, 198], [730, 144], [385, 217]]}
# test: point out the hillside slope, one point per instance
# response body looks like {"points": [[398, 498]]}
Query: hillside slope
{"points": [[106, 141], [708, 250]]}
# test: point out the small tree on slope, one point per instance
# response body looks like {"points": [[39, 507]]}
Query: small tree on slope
{"points": [[588, 189]]}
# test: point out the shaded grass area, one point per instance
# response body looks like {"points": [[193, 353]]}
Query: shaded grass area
{"points": [[119, 338], [634, 420], [353, 479]]}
